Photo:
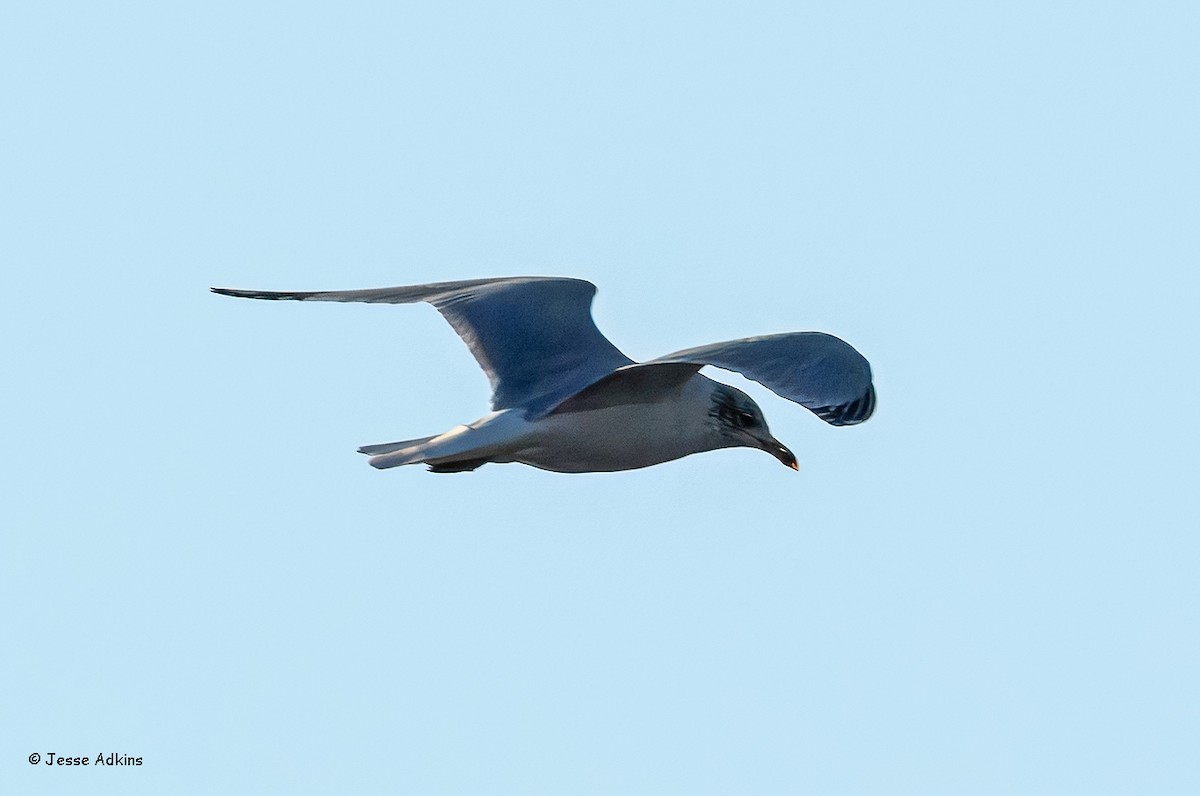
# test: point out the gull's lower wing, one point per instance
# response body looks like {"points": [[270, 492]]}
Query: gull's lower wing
{"points": [[533, 336], [817, 371], [645, 383]]}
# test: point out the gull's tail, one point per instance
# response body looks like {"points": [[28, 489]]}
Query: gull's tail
{"points": [[490, 439], [390, 447]]}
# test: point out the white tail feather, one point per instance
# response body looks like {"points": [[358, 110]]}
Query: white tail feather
{"points": [[491, 437], [389, 447]]}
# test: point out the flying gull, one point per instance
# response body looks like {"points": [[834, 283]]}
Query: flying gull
{"points": [[566, 399]]}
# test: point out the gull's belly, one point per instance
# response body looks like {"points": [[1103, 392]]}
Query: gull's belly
{"points": [[617, 438]]}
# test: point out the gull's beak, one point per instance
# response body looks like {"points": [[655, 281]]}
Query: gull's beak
{"points": [[780, 452]]}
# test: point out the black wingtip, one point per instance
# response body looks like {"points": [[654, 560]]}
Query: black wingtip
{"points": [[269, 295], [849, 414], [228, 291]]}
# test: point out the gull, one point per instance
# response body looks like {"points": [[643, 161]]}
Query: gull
{"points": [[566, 399]]}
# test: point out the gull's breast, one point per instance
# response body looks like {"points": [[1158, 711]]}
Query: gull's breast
{"points": [[623, 437]]}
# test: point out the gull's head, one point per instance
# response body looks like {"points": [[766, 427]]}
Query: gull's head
{"points": [[740, 423]]}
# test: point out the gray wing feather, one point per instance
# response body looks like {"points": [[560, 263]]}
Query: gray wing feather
{"points": [[649, 382], [534, 337], [816, 370]]}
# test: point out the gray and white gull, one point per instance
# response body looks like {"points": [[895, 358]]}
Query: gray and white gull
{"points": [[566, 399]]}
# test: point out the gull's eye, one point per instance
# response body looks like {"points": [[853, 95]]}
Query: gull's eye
{"points": [[733, 415]]}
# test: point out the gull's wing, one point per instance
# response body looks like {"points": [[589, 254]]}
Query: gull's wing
{"points": [[533, 336], [816, 370]]}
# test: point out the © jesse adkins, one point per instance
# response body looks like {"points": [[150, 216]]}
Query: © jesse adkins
{"points": [[110, 759]]}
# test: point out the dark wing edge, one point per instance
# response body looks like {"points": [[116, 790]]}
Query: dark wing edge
{"points": [[850, 414], [403, 294], [822, 373]]}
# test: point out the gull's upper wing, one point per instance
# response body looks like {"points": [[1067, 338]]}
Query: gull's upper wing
{"points": [[816, 370], [533, 336]]}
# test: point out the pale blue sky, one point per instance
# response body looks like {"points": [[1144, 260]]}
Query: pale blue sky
{"points": [[990, 588]]}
